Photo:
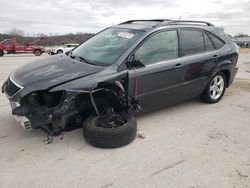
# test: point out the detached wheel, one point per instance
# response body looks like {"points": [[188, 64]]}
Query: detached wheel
{"points": [[1, 53], [38, 52], [215, 89], [110, 132]]}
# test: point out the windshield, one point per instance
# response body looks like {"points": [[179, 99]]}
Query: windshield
{"points": [[106, 47]]}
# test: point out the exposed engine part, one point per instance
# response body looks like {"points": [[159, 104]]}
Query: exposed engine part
{"points": [[94, 104]]}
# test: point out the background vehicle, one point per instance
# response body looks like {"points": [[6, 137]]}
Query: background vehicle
{"points": [[10, 46], [64, 48], [136, 65]]}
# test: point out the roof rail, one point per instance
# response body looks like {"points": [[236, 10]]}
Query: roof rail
{"points": [[172, 22], [153, 20]]}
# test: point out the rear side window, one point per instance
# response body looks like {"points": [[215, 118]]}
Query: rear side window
{"points": [[192, 41], [208, 44], [216, 41]]}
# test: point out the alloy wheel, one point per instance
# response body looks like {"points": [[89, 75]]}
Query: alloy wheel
{"points": [[217, 87]]}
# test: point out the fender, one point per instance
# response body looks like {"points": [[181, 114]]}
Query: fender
{"points": [[223, 65]]}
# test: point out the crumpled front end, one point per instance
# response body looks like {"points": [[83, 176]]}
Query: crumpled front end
{"points": [[62, 109]]}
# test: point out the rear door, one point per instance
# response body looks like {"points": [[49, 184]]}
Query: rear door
{"points": [[198, 58]]}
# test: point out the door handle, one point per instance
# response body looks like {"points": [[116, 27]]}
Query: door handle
{"points": [[178, 66], [215, 57]]}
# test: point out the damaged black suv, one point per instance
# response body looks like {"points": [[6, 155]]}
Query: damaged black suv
{"points": [[138, 65]]}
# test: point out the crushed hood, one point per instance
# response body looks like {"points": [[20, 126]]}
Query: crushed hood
{"points": [[48, 72]]}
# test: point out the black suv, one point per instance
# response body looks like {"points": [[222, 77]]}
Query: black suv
{"points": [[138, 65]]}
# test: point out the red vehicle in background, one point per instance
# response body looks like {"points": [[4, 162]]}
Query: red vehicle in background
{"points": [[10, 46]]}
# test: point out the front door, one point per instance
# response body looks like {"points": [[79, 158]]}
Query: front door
{"points": [[157, 84]]}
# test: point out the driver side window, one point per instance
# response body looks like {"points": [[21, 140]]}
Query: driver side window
{"points": [[160, 47]]}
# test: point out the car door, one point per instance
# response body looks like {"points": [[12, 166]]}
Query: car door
{"points": [[198, 58], [157, 83]]}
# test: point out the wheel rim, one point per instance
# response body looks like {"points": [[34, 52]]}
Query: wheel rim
{"points": [[216, 87], [109, 122]]}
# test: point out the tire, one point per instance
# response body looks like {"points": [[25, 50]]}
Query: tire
{"points": [[109, 137], [214, 90], [38, 52], [1, 53], [59, 51]]}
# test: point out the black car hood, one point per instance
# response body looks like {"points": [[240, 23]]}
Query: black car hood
{"points": [[49, 72]]}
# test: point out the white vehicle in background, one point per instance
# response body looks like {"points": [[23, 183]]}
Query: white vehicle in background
{"points": [[64, 48]]}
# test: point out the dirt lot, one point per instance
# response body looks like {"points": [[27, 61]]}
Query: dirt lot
{"points": [[245, 50], [187, 145]]}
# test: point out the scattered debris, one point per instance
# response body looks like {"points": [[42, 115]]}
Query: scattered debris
{"points": [[141, 134], [48, 140], [61, 137]]}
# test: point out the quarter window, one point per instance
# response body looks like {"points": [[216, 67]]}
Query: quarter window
{"points": [[208, 44], [160, 47], [216, 41], [192, 41]]}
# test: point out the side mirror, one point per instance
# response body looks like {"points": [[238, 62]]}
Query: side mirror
{"points": [[132, 63]]}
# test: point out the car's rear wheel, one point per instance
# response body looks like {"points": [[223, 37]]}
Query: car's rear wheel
{"points": [[110, 131], [38, 52], [215, 89], [1, 53]]}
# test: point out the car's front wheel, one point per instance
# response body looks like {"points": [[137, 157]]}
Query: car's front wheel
{"points": [[215, 89]]}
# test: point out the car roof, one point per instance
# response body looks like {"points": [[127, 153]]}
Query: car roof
{"points": [[158, 24]]}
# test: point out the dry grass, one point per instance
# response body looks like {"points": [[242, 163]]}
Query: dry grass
{"points": [[244, 50]]}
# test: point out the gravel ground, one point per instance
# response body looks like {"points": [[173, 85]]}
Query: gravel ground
{"points": [[188, 145]]}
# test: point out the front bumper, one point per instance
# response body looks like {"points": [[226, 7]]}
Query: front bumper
{"points": [[22, 120]]}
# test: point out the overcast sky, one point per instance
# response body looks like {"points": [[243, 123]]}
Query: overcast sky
{"points": [[65, 16]]}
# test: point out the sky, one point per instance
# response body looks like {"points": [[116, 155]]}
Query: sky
{"points": [[72, 16]]}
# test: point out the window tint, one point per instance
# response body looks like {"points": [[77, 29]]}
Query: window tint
{"points": [[161, 46], [208, 43], [192, 41], [216, 41]]}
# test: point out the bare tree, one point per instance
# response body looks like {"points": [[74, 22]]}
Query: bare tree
{"points": [[15, 31], [241, 35]]}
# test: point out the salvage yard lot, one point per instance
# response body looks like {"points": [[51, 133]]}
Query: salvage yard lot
{"points": [[187, 145]]}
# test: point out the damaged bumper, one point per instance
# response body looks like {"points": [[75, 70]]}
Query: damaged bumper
{"points": [[22, 120]]}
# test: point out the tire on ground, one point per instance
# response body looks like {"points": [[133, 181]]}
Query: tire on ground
{"points": [[37, 52], [206, 97], [110, 137], [1, 53]]}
